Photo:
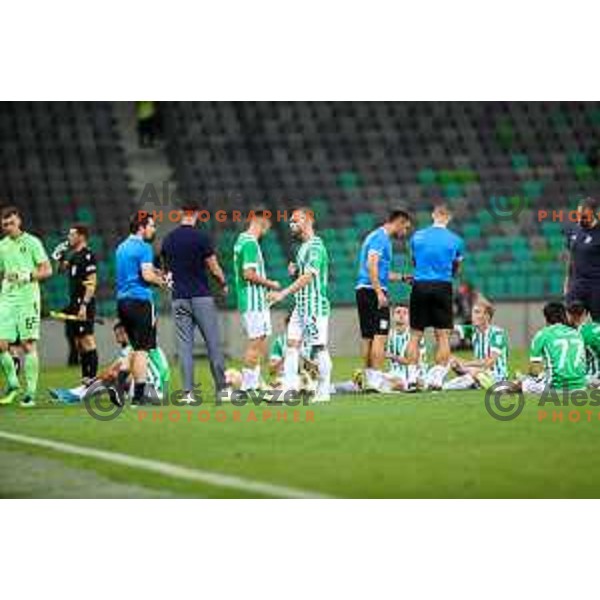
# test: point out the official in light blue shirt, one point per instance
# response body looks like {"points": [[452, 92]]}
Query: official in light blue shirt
{"points": [[377, 242], [437, 254], [374, 276], [135, 309], [133, 255], [436, 251]]}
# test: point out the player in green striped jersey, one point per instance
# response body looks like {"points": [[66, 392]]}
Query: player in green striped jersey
{"points": [[490, 351], [23, 264], [579, 317], [396, 349], [396, 378], [310, 318], [251, 285]]}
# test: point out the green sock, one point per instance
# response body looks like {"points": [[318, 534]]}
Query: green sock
{"points": [[8, 366], [32, 370], [160, 363]]}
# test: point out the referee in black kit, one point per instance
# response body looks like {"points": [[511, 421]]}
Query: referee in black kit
{"points": [[582, 283], [79, 262]]}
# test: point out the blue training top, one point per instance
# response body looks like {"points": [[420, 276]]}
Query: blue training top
{"points": [[380, 243], [132, 253], [434, 251]]}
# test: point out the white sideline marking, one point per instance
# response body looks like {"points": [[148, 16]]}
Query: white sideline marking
{"points": [[163, 468]]}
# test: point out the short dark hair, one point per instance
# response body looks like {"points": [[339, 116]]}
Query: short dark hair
{"points": [[577, 308], [555, 313], [590, 204], [118, 325], [139, 219], [399, 213], [9, 211], [189, 207], [590, 207], [81, 229]]}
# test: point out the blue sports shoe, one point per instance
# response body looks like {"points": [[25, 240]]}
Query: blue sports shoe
{"points": [[64, 396]]}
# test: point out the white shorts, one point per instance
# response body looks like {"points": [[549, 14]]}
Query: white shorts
{"points": [[256, 324], [312, 330]]}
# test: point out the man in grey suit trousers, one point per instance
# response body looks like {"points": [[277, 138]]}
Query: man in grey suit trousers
{"points": [[189, 255]]}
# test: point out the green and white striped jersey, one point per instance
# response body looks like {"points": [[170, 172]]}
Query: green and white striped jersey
{"points": [[312, 300], [397, 344], [590, 332], [494, 340], [248, 255]]}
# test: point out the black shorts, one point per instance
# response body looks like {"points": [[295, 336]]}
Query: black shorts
{"points": [[137, 318], [77, 329], [373, 320], [431, 305], [588, 295]]}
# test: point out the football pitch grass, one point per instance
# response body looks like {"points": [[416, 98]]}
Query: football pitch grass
{"points": [[426, 445]]}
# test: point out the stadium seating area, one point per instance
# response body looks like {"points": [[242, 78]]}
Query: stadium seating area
{"points": [[351, 161], [61, 162]]}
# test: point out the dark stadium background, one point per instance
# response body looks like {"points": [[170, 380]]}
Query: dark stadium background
{"points": [[350, 161]]}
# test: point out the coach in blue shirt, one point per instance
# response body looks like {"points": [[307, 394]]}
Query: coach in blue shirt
{"points": [[135, 276], [374, 275], [188, 254], [437, 253]]}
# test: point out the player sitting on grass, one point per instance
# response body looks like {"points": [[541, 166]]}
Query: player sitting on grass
{"points": [[557, 355], [579, 317], [490, 352], [395, 379], [118, 373]]}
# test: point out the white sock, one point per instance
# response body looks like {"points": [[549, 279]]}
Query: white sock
{"points": [[257, 382], [291, 380], [413, 374], [247, 379], [463, 382], [324, 364], [437, 375], [371, 378]]}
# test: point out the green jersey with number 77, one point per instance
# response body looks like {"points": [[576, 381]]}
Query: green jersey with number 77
{"points": [[562, 350]]}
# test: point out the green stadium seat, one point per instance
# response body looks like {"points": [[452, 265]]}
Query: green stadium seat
{"points": [[520, 162], [349, 180], [426, 177], [84, 215]]}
